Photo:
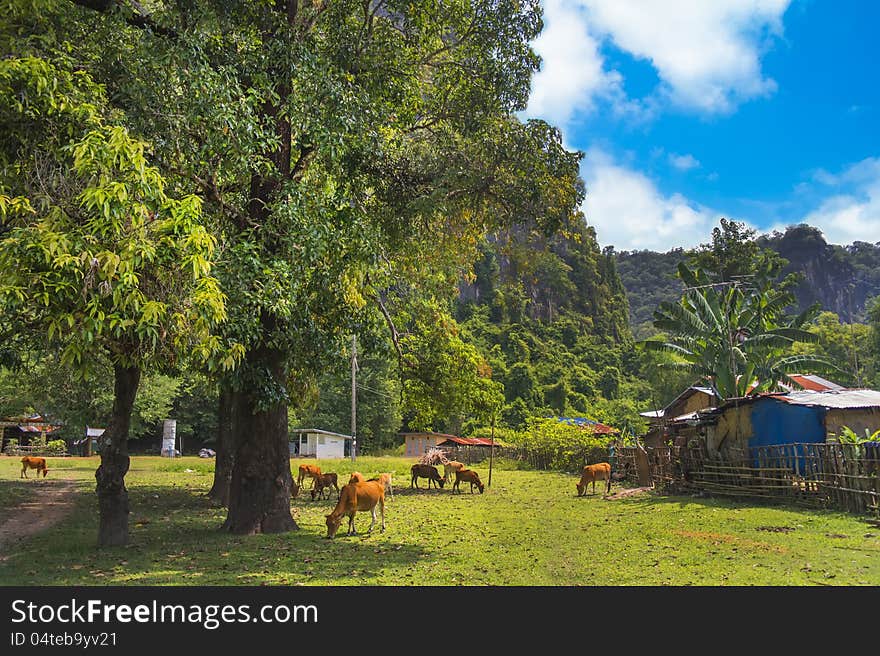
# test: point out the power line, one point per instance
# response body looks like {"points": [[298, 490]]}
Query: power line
{"points": [[374, 391]]}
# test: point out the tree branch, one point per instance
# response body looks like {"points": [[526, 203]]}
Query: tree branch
{"points": [[395, 336], [137, 17]]}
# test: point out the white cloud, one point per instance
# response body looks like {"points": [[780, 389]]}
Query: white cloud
{"points": [[683, 162], [630, 212], [705, 52], [852, 211], [572, 74]]}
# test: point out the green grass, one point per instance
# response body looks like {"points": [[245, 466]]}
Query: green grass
{"points": [[529, 528]]}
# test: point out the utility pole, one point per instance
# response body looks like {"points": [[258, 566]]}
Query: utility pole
{"points": [[353, 397]]}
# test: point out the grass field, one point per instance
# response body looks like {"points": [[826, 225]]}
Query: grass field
{"points": [[529, 528]]}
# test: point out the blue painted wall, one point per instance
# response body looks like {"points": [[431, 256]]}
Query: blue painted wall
{"points": [[777, 422]]}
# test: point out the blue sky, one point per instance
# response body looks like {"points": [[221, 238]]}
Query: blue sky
{"points": [[763, 111]]}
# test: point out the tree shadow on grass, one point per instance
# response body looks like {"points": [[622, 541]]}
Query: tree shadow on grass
{"points": [[177, 539], [654, 498]]}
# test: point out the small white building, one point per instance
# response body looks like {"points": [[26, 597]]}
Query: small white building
{"points": [[317, 443]]}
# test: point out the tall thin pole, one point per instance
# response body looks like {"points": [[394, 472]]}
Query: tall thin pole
{"points": [[353, 397], [491, 450]]}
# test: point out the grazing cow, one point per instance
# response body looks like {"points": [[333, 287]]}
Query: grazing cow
{"points": [[353, 497], [356, 477], [468, 476], [449, 469], [385, 479], [294, 489], [325, 482], [31, 462], [593, 473], [425, 471], [308, 471]]}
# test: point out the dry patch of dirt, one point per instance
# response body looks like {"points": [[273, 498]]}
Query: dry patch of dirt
{"points": [[51, 502], [627, 492], [719, 538]]}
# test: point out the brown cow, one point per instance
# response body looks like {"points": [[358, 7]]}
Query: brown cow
{"points": [[354, 497], [450, 467], [468, 476], [425, 471], [385, 478], [32, 462], [592, 473], [356, 477], [325, 482], [308, 471]]}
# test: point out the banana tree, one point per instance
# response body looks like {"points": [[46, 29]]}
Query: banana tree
{"points": [[734, 335]]}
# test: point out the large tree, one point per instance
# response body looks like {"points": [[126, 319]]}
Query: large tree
{"points": [[337, 144], [94, 251]]}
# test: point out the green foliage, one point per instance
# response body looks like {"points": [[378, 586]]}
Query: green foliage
{"points": [[848, 436], [847, 345], [93, 248], [52, 390], [734, 335], [560, 445], [56, 447]]}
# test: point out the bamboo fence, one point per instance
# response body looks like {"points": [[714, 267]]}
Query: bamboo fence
{"points": [[830, 475]]}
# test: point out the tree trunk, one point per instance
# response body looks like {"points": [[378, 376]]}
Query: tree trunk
{"points": [[110, 475], [225, 457], [259, 492]]}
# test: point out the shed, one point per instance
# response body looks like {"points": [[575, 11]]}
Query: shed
{"points": [[802, 416], [317, 443], [26, 429], [89, 444], [690, 400], [418, 443]]}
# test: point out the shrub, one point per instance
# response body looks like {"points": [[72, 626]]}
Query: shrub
{"points": [[551, 444], [56, 446]]}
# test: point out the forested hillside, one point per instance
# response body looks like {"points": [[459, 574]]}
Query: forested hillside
{"points": [[842, 279], [548, 316]]}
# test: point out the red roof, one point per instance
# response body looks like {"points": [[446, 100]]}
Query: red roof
{"points": [[814, 383], [602, 429], [467, 441]]}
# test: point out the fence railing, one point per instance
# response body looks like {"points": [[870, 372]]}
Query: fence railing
{"points": [[842, 476]]}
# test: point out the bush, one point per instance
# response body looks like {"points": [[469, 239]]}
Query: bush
{"points": [[56, 447], [551, 444]]}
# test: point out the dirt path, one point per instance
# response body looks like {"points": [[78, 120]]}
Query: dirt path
{"points": [[51, 502]]}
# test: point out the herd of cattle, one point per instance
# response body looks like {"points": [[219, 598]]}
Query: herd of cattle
{"points": [[366, 494]]}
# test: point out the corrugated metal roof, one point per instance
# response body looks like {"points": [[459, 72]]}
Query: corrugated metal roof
{"points": [[847, 398], [320, 432], [32, 428]]}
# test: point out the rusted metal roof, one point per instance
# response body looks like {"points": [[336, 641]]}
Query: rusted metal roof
{"points": [[815, 383], [591, 424], [467, 441]]}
